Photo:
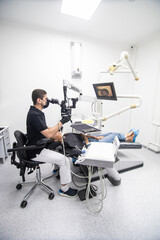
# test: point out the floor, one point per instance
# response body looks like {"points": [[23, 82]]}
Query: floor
{"points": [[131, 211]]}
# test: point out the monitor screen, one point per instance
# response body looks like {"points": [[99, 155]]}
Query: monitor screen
{"points": [[105, 91]]}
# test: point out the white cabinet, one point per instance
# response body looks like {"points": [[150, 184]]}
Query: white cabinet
{"points": [[4, 143]]}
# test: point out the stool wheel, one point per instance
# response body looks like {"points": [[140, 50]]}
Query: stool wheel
{"points": [[51, 196], [19, 186], [23, 204]]}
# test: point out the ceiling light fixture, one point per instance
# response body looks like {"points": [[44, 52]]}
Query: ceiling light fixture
{"points": [[80, 8]]}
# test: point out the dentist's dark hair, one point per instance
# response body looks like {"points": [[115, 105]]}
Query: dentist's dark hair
{"points": [[38, 93]]}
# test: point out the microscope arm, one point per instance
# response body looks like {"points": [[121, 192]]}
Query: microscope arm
{"points": [[68, 85]]}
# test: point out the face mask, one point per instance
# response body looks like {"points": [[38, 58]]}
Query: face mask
{"points": [[47, 104]]}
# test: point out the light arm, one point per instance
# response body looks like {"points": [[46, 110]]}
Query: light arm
{"points": [[124, 57], [132, 106]]}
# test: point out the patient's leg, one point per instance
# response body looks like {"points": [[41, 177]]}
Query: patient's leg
{"points": [[109, 138]]}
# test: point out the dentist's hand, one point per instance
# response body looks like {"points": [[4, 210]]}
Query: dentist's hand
{"points": [[65, 119]]}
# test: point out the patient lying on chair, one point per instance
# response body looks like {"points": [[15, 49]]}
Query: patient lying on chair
{"points": [[105, 137], [110, 136]]}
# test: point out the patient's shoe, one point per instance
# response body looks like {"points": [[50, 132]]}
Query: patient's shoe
{"points": [[70, 193], [135, 132]]}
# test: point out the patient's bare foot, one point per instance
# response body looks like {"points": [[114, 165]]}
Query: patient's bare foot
{"points": [[130, 136]]}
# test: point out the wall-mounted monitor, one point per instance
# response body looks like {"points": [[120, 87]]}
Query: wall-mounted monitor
{"points": [[105, 91]]}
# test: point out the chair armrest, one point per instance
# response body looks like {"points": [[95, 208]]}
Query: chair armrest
{"points": [[39, 144], [32, 147]]}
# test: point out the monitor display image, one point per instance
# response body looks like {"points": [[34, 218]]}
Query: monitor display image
{"points": [[105, 91]]}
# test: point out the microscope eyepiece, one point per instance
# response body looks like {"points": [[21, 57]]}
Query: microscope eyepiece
{"points": [[53, 101]]}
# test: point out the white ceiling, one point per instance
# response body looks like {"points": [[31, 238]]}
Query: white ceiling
{"points": [[126, 22]]}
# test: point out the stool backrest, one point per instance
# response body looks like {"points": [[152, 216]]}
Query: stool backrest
{"points": [[21, 141]]}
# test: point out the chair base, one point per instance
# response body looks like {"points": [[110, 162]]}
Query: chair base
{"points": [[38, 182]]}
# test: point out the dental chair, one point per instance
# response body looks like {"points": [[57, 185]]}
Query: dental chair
{"points": [[19, 149], [130, 145]]}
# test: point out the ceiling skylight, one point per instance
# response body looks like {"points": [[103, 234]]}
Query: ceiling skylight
{"points": [[80, 8]]}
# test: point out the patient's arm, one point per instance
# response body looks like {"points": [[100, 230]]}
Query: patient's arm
{"points": [[85, 138], [89, 136]]}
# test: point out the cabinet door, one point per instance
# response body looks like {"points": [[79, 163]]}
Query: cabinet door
{"points": [[6, 140], [2, 153]]}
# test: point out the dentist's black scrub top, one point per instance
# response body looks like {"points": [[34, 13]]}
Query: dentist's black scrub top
{"points": [[36, 123]]}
